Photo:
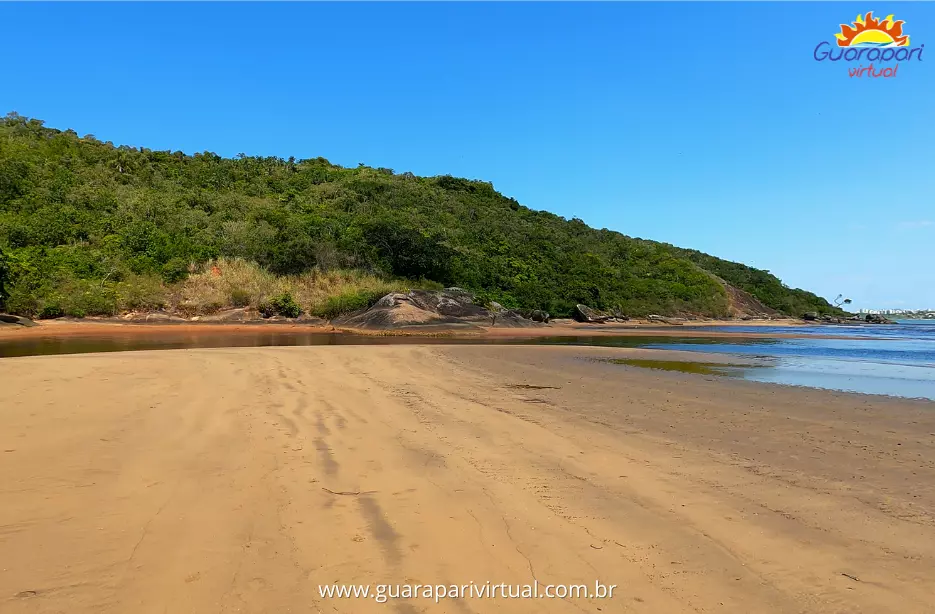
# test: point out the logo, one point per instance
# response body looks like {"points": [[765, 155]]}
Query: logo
{"points": [[869, 32], [877, 46]]}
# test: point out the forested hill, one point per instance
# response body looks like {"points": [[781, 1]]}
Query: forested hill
{"points": [[79, 215]]}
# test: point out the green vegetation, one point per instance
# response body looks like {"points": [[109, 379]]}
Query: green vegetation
{"points": [[4, 274], [700, 368], [90, 228], [763, 285], [282, 305]]}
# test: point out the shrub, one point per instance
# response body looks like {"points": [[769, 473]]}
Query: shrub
{"points": [[283, 305], [175, 270], [348, 302], [483, 299], [240, 297], [227, 282], [89, 299], [141, 292], [50, 312]]}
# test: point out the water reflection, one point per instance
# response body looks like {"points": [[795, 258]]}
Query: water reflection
{"points": [[160, 340]]}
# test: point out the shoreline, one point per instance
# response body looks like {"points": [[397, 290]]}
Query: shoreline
{"points": [[91, 328]]}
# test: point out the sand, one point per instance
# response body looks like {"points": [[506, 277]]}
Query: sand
{"points": [[238, 480]]}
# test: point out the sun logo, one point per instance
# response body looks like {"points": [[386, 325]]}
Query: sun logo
{"points": [[867, 31]]}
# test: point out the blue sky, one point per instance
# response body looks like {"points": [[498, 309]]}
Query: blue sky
{"points": [[704, 125]]}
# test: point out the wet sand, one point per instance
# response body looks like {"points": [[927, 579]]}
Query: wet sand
{"points": [[238, 480]]}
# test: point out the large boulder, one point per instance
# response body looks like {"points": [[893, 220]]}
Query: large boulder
{"points": [[449, 308], [536, 315], [810, 316], [241, 314], [664, 320], [12, 320], [159, 318], [583, 313], [451, 302], [509, 318], [399, 311]]}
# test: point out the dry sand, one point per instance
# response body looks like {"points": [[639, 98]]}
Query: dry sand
{"points": [[238, 480]]}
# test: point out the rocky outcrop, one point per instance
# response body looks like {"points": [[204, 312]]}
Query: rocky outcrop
{"points": [[664, 320], [241, 314], [870, 318], [583, 313], [158, 317], [588, 315], [452, 308], [11, 320], [536, 315]]}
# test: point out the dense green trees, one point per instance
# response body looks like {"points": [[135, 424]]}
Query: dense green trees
{"points": [[4, 276], [81, 221]]}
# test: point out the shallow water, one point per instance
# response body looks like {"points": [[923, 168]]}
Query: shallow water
{"points": [[895, 360]]}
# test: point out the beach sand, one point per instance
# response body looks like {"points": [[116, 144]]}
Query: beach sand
{"points": [[238, 480]]}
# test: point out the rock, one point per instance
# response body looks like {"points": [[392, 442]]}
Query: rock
{"points": [[446, 309], [875, 318], [397, 310], [229, 315], [16, 320], [392, 299], [512, 319], [158, 317], [454, 303], [311, 320], [495, 307], [810, 316], [536, 315], [664, 320], [163, 318], [583, 313]]}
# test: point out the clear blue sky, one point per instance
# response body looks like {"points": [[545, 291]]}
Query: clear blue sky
{"points": [[704, 125]]}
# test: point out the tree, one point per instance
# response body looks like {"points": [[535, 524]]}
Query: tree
{"points": [[840, 300], [4, 277]]}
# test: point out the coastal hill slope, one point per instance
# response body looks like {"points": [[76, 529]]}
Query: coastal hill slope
{"points": [[79, 217]]}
